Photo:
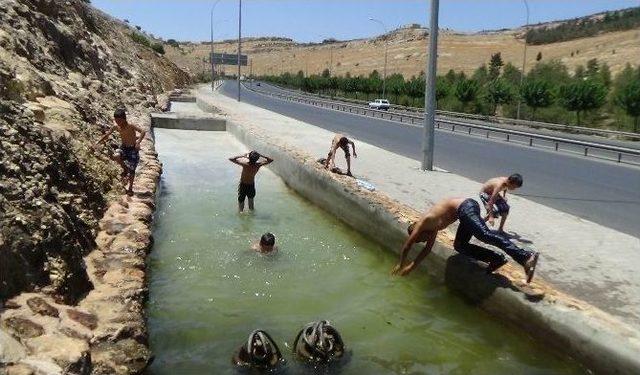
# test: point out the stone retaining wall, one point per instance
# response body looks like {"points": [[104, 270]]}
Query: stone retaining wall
{"points": [[105, 333]]}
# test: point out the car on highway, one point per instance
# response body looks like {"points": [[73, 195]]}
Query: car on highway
{"points": [[380, 104]]}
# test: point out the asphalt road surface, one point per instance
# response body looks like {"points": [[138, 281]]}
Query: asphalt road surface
{"points": [[600, 191]]}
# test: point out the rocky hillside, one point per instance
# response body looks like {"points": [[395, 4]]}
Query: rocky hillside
{"points": [[64, 68], [407, 52]]}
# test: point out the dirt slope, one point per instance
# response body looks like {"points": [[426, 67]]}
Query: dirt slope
{"points": [[407, 53]]}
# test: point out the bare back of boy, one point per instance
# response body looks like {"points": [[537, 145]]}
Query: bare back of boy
{"points": [[440, 216], [496, 183]]}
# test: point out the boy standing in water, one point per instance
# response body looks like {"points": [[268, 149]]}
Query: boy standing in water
{"points": [[128, 155], [340, 141], [246, 187], [496, 204]]}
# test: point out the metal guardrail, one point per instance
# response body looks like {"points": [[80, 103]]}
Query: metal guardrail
{"points": [[586, 148], [493, 119]]}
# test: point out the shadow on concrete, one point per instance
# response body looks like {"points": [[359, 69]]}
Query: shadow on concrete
{"points": [[515, 236], [466, 277]]}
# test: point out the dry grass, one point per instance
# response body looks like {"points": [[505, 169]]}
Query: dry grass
{"points": [[407, 53]]}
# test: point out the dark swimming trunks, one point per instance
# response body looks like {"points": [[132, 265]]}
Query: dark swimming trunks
{"points": [[246, 191], [130, 157], [500, 207], [343, 143]]}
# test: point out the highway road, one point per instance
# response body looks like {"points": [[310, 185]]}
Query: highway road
{"points": [[600, 191], [270, 88]]}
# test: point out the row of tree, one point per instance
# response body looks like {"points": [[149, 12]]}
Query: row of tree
{"points": [[619, 20], [548, 92]]}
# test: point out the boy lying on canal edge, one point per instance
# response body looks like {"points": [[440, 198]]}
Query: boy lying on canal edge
{"points": [[128, 155], [443, 214], [250, 164], [496, 204], [340, 141]]}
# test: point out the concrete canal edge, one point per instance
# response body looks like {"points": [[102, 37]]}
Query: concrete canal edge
{"points": [[591, 336]]}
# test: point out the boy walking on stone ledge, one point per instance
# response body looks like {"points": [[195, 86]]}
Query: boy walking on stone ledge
{"points": [[128, 154]]}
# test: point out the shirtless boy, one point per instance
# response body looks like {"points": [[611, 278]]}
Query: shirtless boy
{"points": [[128, 155], [340, 141], [496, 204], [444, 213], [250, 164], [267, 244]]}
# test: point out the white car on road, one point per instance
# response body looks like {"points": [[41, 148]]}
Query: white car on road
{"points": [[380, 104]]}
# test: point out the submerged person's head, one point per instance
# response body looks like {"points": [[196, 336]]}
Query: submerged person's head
{"points": [[267, 242], [422, 237], [120, 116], [514, 181], [253, 157]]}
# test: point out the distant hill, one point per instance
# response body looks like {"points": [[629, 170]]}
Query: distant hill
{"points": [[407, 48]]}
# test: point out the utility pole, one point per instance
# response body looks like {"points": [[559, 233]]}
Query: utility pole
{"points": [[524, 58], [386, 48], [251, 73], [331, 61], [211, 58], [430, 90], [239, 43]]}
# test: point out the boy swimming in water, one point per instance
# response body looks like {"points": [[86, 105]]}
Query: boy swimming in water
{"points": [[446, 212], [128, 154], [340, 141], [250, 164], [267, 244], [496, 204]]}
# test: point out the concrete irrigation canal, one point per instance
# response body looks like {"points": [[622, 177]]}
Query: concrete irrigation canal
{"points": [[208, 290]]}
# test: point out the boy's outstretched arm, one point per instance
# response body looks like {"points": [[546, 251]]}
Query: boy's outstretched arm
{"points": [[492, 200], [140, 137], [413, 238], [103, 138], [331, 155], [353, 145], [427, 249]]}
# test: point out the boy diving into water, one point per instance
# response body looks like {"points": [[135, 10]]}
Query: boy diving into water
{"points": [[443, 214], [128, 154], [250, 164]]}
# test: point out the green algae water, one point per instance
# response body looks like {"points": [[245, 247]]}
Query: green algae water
{"points": [[208, 290]]}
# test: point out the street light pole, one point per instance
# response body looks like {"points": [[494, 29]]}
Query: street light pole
{"points": [[239, 43], [430, 90], [524, 58], [386, 45], [211, 57]]}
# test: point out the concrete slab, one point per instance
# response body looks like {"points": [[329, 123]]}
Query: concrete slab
{"points": [[586, 260], [188, 116]]}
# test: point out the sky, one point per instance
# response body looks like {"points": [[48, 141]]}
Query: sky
{"points": [[314, 20]]}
